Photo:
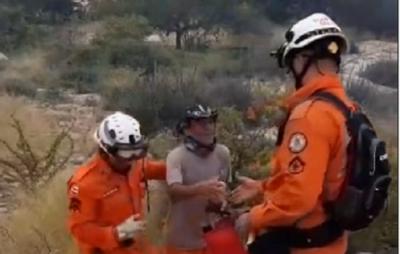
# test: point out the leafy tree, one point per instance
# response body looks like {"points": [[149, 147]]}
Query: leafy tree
{"points": [[100, 9], [182, 16], [43, 11]]}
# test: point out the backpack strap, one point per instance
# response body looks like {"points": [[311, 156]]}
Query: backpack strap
{"points": [[281, 130], [340, 105], [319, 95], [347, 113], [332, 99]]}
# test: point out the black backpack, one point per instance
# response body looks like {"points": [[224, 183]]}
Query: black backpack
{"points": [[365, 190]]}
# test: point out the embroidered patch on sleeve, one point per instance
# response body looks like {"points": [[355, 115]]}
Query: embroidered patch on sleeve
{"points": [[74, 190], [75, 205], [296, 165], [297, 142]]}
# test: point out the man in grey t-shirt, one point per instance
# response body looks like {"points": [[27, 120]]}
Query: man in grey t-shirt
{"points": [[196, 174]]}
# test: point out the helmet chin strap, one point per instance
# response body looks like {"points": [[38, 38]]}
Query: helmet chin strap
{"points": [[299, 77], [195, 146]]}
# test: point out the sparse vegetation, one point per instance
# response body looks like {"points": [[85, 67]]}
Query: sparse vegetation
{"points": [[159, 100], [38, 225], [28, 169]]}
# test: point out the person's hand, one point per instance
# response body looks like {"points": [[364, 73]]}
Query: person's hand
{"points": [[242, 227], [213, 189], [130, 228], [247, 190]]}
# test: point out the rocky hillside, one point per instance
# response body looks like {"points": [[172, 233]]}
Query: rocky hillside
{"points": [[370, 53]]}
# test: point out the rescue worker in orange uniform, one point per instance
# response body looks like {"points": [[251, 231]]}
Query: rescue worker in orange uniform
{"points": [[105, 208], [308, 166]]}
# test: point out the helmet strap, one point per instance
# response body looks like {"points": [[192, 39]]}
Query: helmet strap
{"points": [[319, 69], [197, 147], [299, 77]]}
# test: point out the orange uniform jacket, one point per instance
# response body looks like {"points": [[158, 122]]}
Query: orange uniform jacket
{"points": [[100, 199], [308, 167]]}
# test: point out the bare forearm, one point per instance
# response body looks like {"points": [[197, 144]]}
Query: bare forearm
{"points": [[180, 191]]}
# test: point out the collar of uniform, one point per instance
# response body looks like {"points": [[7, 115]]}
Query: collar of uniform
{"points": [[327, 82], [102, 164], [138, 169]]}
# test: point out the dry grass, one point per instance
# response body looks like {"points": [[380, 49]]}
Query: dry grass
{"points": [[120, 77], [28, 65], [40, 223], [38, 226], [40, 128], [24, 73]]}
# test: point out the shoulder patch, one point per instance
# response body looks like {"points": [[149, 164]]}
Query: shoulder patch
{"points": [[75, 205], [297, 142], [74, 190], [296, 165]]}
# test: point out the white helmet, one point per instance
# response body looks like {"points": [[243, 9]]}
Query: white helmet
{"points": [[119, 132], [315, 27]]}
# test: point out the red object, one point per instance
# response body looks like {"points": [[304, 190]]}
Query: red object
{"points": [[224, 239]]}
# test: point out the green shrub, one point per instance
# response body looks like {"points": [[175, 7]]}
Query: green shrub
{"points": [[82, 80], [17, 32], [256, 60], [103, 9], [220, 92], [137, 55], [51, 95], [162, 144], [86, 56], [124, 27], [217, 63], [159, 101], [247, 146], [18, 87]]}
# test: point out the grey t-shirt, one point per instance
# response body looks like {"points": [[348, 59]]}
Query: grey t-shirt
{"points": [[188, 216]]}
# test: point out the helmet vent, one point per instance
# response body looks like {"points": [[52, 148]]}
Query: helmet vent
{"points": [[132, 139], [289, 36], [112, 134]]}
